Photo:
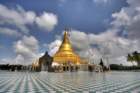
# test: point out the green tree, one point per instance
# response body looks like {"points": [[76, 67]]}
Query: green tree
{"points": [[130, 58], [136, 57]]}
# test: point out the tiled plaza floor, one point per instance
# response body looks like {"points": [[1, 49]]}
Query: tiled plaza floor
{"points": [[75, 82]]}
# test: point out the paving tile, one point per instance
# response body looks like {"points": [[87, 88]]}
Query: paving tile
{"points": [[76, 82]]}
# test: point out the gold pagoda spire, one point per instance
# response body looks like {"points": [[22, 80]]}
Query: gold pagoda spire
{"points": [[65, 53], [65, 46]]}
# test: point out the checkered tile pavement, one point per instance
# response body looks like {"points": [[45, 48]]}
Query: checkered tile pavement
{"points": [[69, 82]]}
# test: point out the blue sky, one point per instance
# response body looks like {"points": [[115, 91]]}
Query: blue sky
{"points": [[89, 17]]}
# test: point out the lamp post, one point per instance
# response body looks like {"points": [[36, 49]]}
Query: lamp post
{"points": [[105, 53], [107, 56]]}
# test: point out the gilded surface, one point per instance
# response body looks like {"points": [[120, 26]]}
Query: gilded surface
{"points": [[65, 54]]}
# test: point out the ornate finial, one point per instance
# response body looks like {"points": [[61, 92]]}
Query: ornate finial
{"points": [[67, 29], [65, 36]]}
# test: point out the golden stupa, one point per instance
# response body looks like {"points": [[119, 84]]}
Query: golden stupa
{"points": [[65, 55]]}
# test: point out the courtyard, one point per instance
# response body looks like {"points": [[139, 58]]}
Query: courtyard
{"points": [[69, 82]]}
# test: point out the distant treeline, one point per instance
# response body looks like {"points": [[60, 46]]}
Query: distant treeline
{"points": [[13, 67], [22, 67], [121, 67]]}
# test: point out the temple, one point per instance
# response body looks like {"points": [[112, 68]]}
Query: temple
{"points": [[65, 59]]}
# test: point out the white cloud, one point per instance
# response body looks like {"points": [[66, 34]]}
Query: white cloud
{"points": [[129, 18], [9, 32], [26, 49], [5, 61], [77, 38], [47, 21], [19, 60], [134, 3], [54, 46], [122, 60], [20, 18], [121, 18]]}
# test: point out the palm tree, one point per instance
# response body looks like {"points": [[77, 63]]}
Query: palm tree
{"points": [[130, 59], [136, 57]]}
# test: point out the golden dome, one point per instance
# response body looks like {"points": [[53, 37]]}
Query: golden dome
{"points": [[65, 53]]}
